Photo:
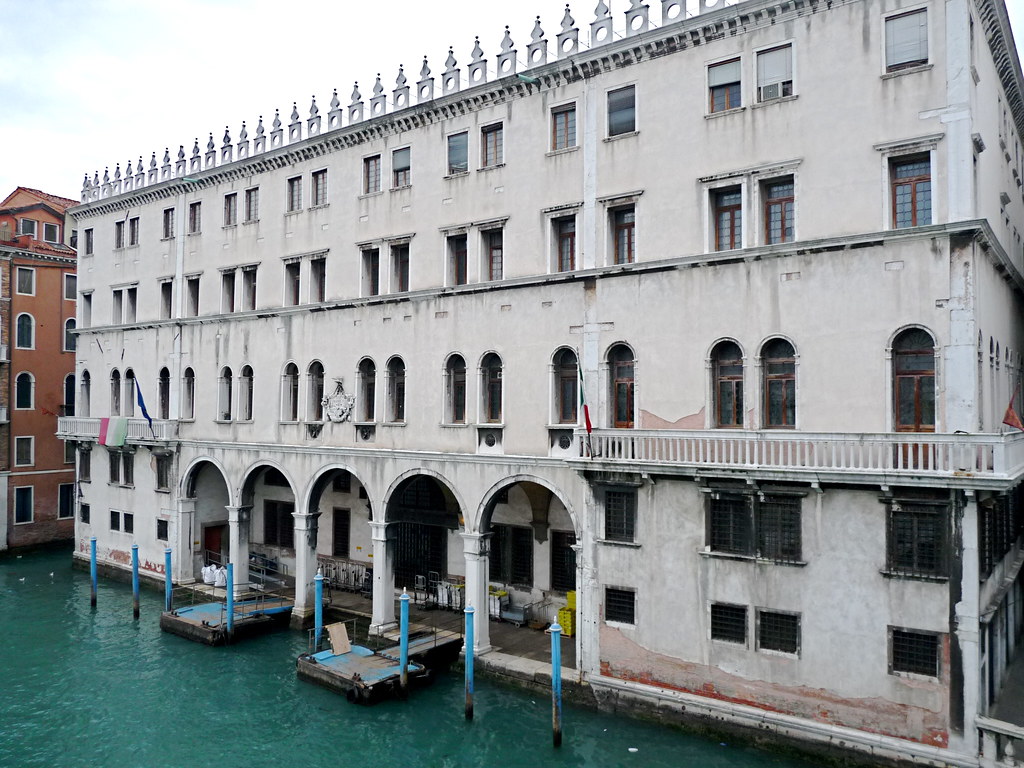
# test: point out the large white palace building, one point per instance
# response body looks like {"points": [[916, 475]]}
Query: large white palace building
{"points": [[778, 242]]}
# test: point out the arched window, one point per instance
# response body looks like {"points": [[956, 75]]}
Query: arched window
{"points": [[913, 373], [84, 402], [188, 395], [26, 332], [290, 393], [396, 389], [455, 389], [24, 392], [224, 395], [778, 367], [621, 367], [68, 408], [490, 387], [367, 390], [115, 392], [566, 386], [727, 370], [315, 381], [164, 394], [70, 340], [245, 394], [129, 392]]}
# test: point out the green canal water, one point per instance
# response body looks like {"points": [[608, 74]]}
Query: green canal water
{"points": [[94, 688]]}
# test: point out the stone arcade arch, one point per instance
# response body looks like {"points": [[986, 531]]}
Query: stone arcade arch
{"points": [[263, 526], [205, 501]]}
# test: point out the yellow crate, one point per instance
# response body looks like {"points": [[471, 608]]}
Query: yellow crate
{"points": [[567, 621], [570, 599]]}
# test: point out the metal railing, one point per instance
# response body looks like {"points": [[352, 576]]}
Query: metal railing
{"points": [[81, 427], [989, 455], [346, 575]]}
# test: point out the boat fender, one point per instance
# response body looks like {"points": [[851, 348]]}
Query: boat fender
{"points": [[352, 695]]}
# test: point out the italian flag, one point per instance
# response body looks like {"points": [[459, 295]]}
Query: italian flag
{"points": [[585, 410]]}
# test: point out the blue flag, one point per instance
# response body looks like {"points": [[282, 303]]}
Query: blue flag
{"points": [[142, 406]]}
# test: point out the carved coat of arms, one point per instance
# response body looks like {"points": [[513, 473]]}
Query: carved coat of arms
{"points": [[339, 404]]}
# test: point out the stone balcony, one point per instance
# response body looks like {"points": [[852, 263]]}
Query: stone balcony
{"points": [[976, 460], [83, 428]]}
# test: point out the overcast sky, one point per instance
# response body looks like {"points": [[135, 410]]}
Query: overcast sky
{"points": [[88, 85]]}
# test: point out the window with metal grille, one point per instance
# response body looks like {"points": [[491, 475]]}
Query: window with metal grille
{"points": [[778, 528], [127, 468], [778, 631], [340, 534], [620, 605], [278, 527], [917, 539], [729, 623], [511, 555], [913, 652], [563, 561], [342, 482], [620, 515], [999, 526], [730, 525]]}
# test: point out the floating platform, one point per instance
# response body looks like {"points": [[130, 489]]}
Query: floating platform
{"points": [[367, 676], [207, 623]]}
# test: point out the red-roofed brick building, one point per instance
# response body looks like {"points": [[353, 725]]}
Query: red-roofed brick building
{"points": [[37, 383]]}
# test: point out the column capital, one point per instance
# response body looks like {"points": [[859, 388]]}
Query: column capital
{"points": [[238, 514], [378, 531], [473, 543]]}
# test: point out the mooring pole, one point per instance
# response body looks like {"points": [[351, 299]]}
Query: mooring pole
{"points": [[470, 610], [403, 657], [318, 611], [167, 580], [231, 598], [92, 570], [135, 581], [556, 684]]}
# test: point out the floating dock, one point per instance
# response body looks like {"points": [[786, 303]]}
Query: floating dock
{"points": [[207, 622], [367, 676]]}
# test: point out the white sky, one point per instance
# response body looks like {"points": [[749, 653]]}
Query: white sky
{"points": [[87, 85]]}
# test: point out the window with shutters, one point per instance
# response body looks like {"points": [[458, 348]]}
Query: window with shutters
{"points": [[906, 40], [724, 86], [622, 111], [775, 73]]}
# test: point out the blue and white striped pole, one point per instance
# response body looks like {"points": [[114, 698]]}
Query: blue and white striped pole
{"points": [[231, 598], [92, 571], [556, 684], [135, 581], [167, 580], [318, 611], [470, 611], [403, 657]]}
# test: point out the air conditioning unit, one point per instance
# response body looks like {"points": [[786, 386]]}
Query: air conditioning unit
{"points": [[769, 92]]}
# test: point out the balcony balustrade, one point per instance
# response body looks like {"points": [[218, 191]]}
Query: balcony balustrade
{"points": [[82, 428]]}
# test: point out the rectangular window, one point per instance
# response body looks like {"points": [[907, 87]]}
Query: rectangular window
{"points": [[620, 515], [371, 272], [192, 294], [70, 287], [278, 525], [115, 467], [778, 528], [294, 194], [729, 623], [493, 243], [65, 501], [511, 555], [724, 86], [87, 309], [458, 259], [727, 207], [624, 235], [227, 291], [252, 204], [458, 154], [195, 218], [70, 449], [906, 40], [778, 210], [292, 283], [166, 305], [163, 473], [51, 233], [248, 288], [116, 306], [84, 466], [23, 451], [730, 525], [23, 504], [27, 227], [133, 230], [622, 111], [563, 561], [563, 127], [231, 209], [565, 243], [913, 652], [341, 533], [401, 168], [911, 180], [115, 520], [90, 242], [320, 187], [26, 281], [119, 234], [161, 530], [371, 175], [83, 513], [620, 605], [400, 267], [131, 304], [128, 520], [775, 73], [317, 280], [127, 468], [917, 539], [168, 223], [778, 631], [492, 145]]}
